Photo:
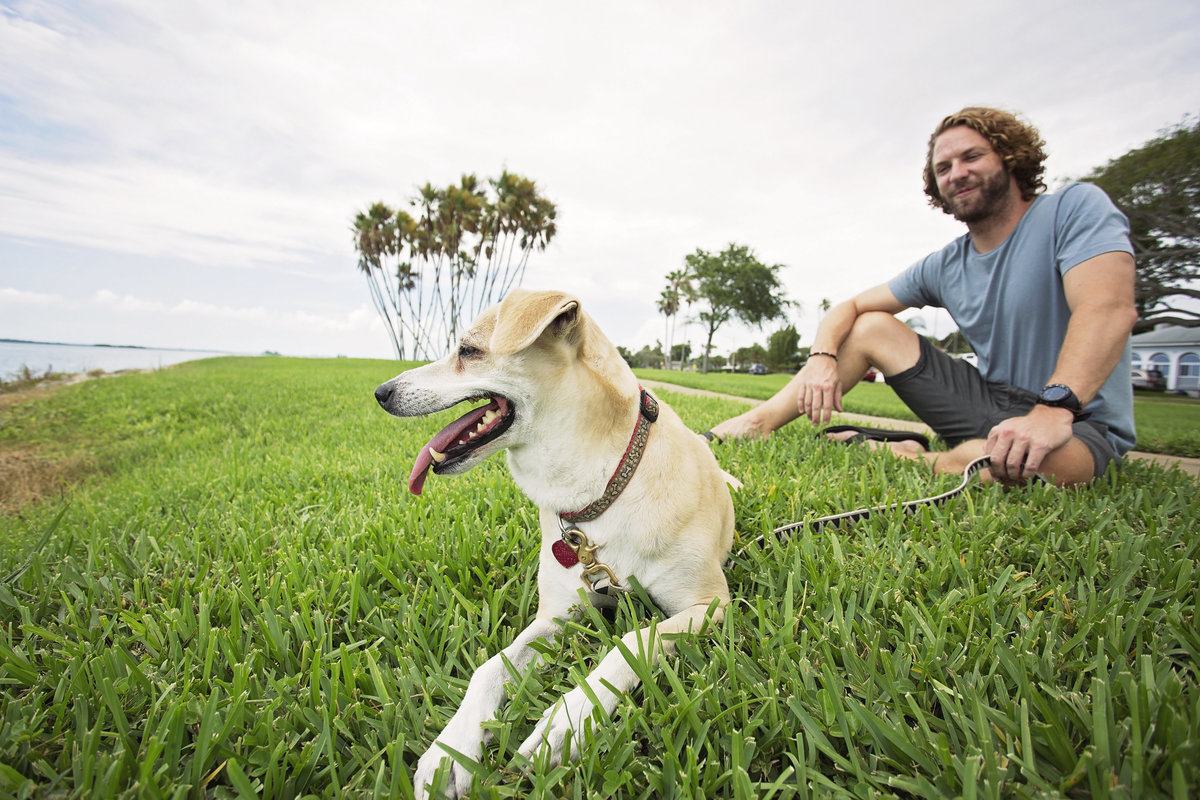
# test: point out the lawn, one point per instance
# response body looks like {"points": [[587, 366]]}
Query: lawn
{"points": [[1168, 424], [225, 590]]}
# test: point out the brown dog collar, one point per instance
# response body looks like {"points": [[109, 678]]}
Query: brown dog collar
{"points": [[574, 547], [647, 414]]}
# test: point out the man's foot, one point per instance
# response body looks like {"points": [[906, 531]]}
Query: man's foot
{"points": [[743, 426]]}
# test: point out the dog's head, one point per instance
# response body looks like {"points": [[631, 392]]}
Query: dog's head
{"points": [[509, 357]]}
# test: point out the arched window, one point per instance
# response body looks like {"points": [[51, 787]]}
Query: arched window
{"points": [[1189, 372], [1136, 361]]}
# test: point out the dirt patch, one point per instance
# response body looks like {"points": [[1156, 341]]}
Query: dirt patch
{"points": [[28, 473], [27, 476]]}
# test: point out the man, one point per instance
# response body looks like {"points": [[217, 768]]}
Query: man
{"points": [[1041, 286]]}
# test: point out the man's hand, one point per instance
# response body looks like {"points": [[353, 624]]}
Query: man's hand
{"points": [[820, 390], [1019, 445]]}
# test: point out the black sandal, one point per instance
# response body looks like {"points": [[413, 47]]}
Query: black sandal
{"points": [[863, 434]]}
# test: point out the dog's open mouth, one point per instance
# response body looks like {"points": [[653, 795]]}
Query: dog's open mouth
{"points": [[458, 439]]}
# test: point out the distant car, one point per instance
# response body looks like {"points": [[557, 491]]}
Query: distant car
{"points": [[1150, 380], [970, 358], [871, 375], [758, 369]]}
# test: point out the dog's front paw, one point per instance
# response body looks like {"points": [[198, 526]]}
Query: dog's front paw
{"points": [[564, 720], [458, 777]]}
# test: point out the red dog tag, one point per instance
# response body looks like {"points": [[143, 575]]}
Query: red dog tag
{"points": [[564, 554]]}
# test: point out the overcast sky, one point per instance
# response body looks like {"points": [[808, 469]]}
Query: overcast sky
{"points": [[185, 174]]}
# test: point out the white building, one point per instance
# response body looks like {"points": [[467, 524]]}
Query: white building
{"points": [[1175, 351]]}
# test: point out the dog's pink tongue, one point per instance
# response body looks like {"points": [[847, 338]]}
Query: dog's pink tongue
{"points": [[442, 442], [420, 471]]}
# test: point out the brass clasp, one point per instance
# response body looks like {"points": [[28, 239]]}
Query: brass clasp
{"points": [[593, 570]]}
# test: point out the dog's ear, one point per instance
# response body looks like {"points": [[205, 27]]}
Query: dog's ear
{"points": [[524, 315]]}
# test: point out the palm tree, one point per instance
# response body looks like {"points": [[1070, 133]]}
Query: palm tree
{"points": [[452, 258], [375, 240], [460, 211], [520, 221], [668, 306], [679, 291]]}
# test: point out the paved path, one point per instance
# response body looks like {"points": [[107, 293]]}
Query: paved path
{"points": [[1188, 465]]}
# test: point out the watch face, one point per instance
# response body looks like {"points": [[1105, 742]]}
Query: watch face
{"points": [[1055, 394]]}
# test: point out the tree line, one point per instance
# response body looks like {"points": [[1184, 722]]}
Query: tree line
{"points": [[781, 352]]}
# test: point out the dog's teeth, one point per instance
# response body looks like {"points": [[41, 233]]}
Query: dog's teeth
{"points": [[436, 456], [488, 418]]}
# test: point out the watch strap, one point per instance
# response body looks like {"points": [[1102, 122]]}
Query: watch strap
{"points": [[1068, 400]]}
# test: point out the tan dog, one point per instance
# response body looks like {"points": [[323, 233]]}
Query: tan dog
{"points": [[570, 413]]}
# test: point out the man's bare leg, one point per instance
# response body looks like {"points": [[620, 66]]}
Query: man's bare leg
{"points": [[761, 420], [877, 340]]}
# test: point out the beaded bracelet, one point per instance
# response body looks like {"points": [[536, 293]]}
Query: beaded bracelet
{"points": [[822, 353]]}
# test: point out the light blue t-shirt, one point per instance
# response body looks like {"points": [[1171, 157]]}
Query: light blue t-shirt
{"points": [[1010, 304]]}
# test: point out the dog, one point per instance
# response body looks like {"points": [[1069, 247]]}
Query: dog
{"points": [[625, 492]]}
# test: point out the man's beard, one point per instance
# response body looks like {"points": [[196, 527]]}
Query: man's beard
{"points": [[991, 198]]}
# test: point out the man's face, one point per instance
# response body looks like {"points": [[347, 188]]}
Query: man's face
{"points": [[971, 177]]}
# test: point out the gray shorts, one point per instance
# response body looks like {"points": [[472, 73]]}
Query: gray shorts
{"points": [[952, 397]]}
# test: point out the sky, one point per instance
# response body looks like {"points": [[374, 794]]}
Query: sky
{"points": [[186, 174]]}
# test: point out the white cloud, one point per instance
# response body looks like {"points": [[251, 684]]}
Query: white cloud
{"points": [[157, 210], [16, 298], [226, 327], [125, 303]]}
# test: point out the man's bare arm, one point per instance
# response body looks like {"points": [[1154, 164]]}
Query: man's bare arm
{"points": [[1099, 293], [818, 386]]}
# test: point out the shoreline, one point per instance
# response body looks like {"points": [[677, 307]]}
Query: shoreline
{"points": [[5, 340], [21, 388]]}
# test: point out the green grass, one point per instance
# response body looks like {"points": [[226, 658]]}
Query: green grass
{"points": [[1168, 424], [239, 597]]}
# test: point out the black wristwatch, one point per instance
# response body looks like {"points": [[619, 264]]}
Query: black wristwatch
{"points": [[1059, 395]]}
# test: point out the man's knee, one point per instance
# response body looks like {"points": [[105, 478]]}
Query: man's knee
{"points": [[884, 341], [1069, 465], [1073, 463]]}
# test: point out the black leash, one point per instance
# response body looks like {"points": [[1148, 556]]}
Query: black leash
{"points": [[780, 534], [908, 507]]}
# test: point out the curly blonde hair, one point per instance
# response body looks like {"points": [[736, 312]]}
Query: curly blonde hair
{"points": [[1018, 144]]}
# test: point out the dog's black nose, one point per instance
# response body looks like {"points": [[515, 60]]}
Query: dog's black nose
{"points": [[383, 393]]}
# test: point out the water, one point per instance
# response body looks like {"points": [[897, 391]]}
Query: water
{"points": [[41, 358]]}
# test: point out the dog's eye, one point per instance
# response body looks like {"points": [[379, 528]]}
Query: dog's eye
{"points": [[465, 351]]}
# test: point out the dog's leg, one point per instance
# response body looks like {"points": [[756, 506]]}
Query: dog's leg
{"points": [[464, 733], [568, 715]]}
